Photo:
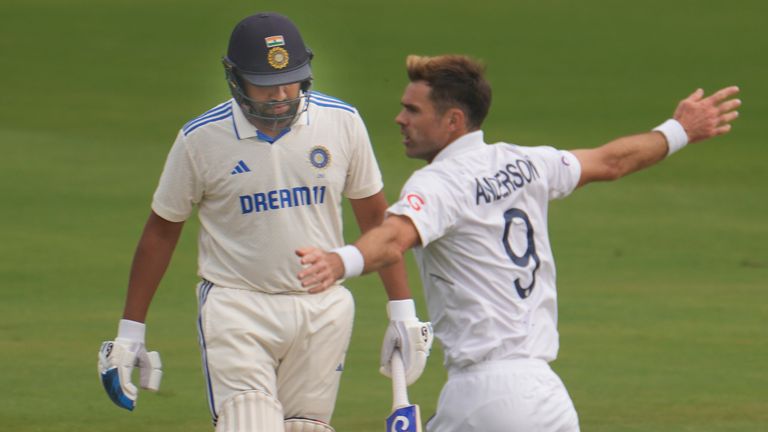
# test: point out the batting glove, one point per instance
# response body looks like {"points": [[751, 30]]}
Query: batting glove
{"points": [[412, 337], [116, 362]]}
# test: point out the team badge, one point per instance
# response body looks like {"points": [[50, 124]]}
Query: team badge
{"points": [[278, 57], [274, 41], [319, 157]]}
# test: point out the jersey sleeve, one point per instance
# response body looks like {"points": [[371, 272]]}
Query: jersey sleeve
{"points": [[426, 199], [180, 187], [363, 176], [563, 171]]}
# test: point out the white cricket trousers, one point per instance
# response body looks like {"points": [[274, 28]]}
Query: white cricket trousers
{"points": [[522, 395], [289, 346]]}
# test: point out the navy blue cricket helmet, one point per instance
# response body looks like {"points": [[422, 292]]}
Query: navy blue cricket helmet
{"points": [[266, 49]]}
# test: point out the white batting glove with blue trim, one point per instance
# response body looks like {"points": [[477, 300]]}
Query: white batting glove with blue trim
{"points": [[118, 358], [409, 335]]}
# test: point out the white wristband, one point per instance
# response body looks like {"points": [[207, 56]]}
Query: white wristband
{"points": [[131, 330], [675, 134], [352, 259], [401, 310]]}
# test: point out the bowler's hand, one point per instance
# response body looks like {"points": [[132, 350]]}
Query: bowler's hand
{"points": [[321, 269], [707, 117]]}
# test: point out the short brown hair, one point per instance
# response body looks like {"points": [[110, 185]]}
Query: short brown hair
{"points": [[456, 81]]}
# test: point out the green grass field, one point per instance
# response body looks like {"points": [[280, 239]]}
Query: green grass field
{"points": [[663, 276]]}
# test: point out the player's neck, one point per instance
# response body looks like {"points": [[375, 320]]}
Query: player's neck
{"points": [[272, 133], [453, 136], [267, 129]]}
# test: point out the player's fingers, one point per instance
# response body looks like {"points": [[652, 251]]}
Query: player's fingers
{"points": [[724, 94], [321, 286], [320, 269], [696, 95], [302, 275], [318, 289], [728, 117], [308, 273], [723, 129], [305, 254], [729, 105], [311, 288], [309, 278], [310, 256]]}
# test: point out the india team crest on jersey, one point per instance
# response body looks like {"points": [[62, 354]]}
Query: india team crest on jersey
{"points": [[319, 157]]}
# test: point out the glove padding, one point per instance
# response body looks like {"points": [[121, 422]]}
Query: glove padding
{"points": [[412, 337], [116, 362]]}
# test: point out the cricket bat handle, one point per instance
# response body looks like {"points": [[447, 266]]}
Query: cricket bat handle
{"points": [[399, 388]]}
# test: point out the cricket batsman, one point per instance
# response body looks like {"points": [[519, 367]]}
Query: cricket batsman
{"points": [[266, 171]]}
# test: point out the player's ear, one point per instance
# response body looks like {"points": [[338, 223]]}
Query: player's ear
{"points": [[456, 119]]}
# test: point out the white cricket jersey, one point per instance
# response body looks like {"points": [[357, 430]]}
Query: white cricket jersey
{"points": [[258, 198], [485, 259]]}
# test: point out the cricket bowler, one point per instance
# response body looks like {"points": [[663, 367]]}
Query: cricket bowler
{"points": [[476, 219]]}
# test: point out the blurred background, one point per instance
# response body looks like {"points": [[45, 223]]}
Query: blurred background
{"points": [[662, 276]]}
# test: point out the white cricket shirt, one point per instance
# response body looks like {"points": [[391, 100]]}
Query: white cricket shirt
{"points": [[259, 199], [485, 258]]}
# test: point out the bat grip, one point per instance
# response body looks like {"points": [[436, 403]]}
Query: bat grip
{"points": [[399, 387]]}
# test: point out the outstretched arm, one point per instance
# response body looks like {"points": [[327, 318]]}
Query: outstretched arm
{"points": [[380, 247], [369, 213], [701, 118]]}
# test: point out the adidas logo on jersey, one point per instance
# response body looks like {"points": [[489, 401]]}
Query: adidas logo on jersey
{"points": [[240, 168]]}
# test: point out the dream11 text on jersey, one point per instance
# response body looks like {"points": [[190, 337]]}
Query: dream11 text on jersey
{"points": [[282, 198]]}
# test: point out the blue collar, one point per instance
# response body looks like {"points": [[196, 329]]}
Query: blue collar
{"points": [[264, 137]]}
